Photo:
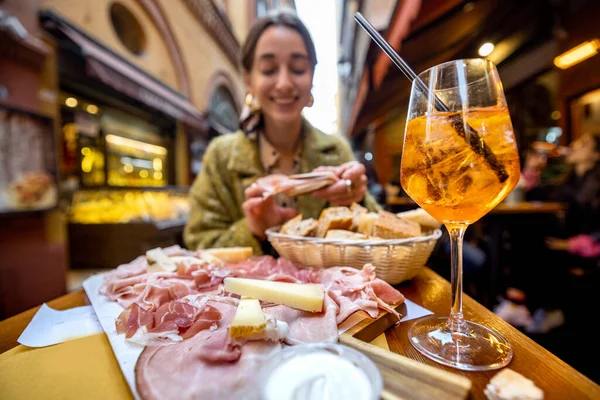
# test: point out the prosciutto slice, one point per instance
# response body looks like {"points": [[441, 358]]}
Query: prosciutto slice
{"points": [[269, 268], [139, 266], [171, 322], [152, 289], [355, 290]]}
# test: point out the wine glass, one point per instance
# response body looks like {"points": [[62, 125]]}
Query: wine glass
{"points": [[459, 161]]}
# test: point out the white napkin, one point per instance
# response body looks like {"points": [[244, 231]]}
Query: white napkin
{"points": [[50, 326]]}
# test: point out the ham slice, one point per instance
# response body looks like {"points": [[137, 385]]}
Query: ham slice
{"points": [[190, 376]]}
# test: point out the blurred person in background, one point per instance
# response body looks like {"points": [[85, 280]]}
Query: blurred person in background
{"points": [[227, 207], [573, 252]]}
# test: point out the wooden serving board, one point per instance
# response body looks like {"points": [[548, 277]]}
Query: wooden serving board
{"points": [[403, 378]]}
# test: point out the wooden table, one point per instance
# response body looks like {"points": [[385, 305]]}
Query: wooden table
{"points": [[557, 379]]}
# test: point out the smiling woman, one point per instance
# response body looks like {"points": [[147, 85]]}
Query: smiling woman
{"points": [[228, 207], [279, 75]]}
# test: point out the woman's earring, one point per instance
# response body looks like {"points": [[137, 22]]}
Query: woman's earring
{"points": [[311, 101], [251, 103]]}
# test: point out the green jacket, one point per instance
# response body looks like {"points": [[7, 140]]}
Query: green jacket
{"points": [[231, 164]]}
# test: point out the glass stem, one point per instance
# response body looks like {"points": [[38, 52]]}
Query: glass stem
{"points": [[456, 322]]}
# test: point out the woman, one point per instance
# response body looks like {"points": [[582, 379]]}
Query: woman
{"points": [[278, 59], [563, 259]]}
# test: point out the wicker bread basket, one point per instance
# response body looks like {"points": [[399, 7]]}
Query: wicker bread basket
{"points": [[395, 260]]}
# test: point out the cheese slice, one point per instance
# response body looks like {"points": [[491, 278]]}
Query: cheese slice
{"points": [[160, 261], [157, 255], [303, 296], [231, 254], [249, 320]]}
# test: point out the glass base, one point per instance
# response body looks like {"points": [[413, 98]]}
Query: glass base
{"points": [[473, 348]]}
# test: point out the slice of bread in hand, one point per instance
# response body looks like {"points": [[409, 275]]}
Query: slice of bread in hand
{"points": [[299, 227], [365, 223], [344, 234], [334, 218], [421, 217], [389, 226]]}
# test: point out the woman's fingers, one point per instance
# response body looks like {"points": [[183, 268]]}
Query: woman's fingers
{"points": [[337, 170], [331, 191], [345, 191], [253, 205], [353, 170], [286, 213], [254, 190]]}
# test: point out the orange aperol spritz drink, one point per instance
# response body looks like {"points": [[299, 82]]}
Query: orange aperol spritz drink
{"points": [[459, 161], [443, 174]]}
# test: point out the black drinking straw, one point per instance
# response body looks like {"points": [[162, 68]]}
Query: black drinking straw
{"points": [[473, 138]]}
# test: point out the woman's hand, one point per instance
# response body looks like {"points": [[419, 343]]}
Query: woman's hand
{"points": [[557, 244], [351, 188], [262, 213]]}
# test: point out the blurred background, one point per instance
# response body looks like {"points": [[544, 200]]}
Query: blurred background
{"points": [[107, 106]]}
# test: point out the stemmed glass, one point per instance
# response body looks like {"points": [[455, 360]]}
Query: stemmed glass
{"points": [[459, 161]]}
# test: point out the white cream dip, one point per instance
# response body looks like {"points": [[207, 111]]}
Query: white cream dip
{"points": [[317, 375]]}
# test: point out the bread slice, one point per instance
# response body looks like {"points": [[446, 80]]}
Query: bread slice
{"points": [[508, 384], [389, 226], [348, 252], [365, 223], [421, 217], [357, 211], [334, 218], [231, 254], [344, 234], [299, 227]]}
